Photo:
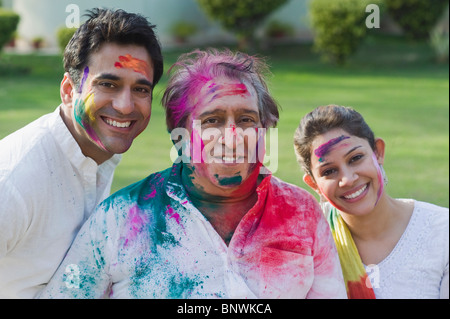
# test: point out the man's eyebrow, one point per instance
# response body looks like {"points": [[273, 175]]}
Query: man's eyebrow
{"points": [[113, 77], [243, 111], [107, 76], [215, 111], [145, 82]]}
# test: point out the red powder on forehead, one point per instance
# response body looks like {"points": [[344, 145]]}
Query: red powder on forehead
{"points": [[129, 62], [228, 90]]}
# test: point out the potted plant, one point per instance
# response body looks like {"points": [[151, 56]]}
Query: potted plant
{"points": [[277, 29], [37, 42]]}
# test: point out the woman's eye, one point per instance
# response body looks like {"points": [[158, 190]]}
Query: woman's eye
{"points": [[356, 158], [328, 172]]}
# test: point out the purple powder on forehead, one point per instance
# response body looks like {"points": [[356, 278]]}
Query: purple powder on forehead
{"points": [[83, 80], [323, 149]]}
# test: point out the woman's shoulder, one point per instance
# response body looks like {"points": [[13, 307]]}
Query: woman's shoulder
{"points": [[433, 214]]}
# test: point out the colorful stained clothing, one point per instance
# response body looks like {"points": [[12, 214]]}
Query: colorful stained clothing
{"points": [[357, 282], [48, 189], [417, 267], [149, 241]]}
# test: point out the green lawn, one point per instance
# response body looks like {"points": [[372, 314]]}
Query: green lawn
{"points": [[401, 92]]}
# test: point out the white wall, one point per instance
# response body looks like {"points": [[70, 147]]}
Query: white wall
{"points": [[42, 18]]}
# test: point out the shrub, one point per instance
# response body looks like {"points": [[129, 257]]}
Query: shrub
{"points": [[339, 27], [181, 30], [241, 17], [279, 29], [416, 17], [64, 35], [8, 24]]}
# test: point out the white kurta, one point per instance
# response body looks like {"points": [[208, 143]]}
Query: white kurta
{"points": [[149, 241], [48, 188], [417, 267]]}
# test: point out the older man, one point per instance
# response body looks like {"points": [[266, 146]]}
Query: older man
{"points": [[211, 226]]}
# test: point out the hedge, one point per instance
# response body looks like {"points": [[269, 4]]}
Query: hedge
{"points": [[8, 24]]}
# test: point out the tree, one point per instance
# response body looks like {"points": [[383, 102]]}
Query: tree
{"points": [[241, 17], [339, 26], [416, 17]]}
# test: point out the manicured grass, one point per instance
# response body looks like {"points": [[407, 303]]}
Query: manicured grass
{"points": [[400, 91]]}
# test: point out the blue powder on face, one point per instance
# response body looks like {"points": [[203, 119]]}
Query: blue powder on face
{"points": [[229, 181]]}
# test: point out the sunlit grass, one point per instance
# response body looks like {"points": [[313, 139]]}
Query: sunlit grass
{"points": [[400, 91]]}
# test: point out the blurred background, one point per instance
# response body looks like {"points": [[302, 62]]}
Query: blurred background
{"points": [[388, 59]]}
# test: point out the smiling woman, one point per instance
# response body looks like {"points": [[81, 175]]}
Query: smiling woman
{"points": [[343, 163]]}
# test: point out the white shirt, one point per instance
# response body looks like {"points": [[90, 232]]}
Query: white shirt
{"points": [[48, 188], [149, 241], [417, 267]]}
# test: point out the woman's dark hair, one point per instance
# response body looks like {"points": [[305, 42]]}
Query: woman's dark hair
{"points": [[108, 26], [323, 119]]}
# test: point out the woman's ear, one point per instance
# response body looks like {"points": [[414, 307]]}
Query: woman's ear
{"points": [[379, 150], [66, 90], [309, 180]]}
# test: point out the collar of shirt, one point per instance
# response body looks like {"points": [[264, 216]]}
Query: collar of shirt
{"points": [[71, 148]]}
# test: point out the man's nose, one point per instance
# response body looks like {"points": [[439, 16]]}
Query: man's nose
{"points": [[123, 101], [232, 136]]}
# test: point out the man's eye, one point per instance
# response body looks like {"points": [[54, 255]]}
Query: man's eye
{"points": [[247, 120], [108, 85], [210, 121], [143, 90]]}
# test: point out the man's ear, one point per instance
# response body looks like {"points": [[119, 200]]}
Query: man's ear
{"points": [[309, 180], [66, 90]]}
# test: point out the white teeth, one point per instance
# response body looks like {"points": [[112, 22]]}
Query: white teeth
{"points": [[118, 124], [231, 159], [356, 194]]}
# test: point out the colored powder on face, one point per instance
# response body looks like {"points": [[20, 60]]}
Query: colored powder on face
{"points": [[83, 80], [229, 181], [129, 62], [228, 90], [380, 178], [197, 145], [330, 201], [323, 149], [84, 116]]}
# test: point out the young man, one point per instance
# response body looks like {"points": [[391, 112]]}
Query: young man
{"points": [[54, 171], [211, 226]]}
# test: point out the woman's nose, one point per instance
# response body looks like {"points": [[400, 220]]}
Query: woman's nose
{"points": [[348, 177]]}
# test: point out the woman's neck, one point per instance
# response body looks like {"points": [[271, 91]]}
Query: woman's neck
{"points": [[377, 233], [388, 215]]}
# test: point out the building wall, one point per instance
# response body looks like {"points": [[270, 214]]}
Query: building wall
{"points": [[42, 18]]}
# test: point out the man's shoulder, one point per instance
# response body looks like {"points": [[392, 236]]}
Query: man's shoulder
{"points": [[150, 187], [285, 188], [26, 138]]}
